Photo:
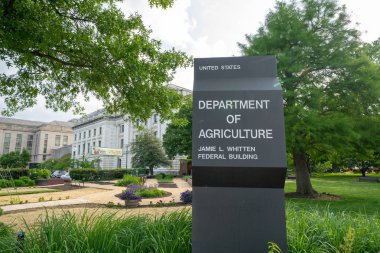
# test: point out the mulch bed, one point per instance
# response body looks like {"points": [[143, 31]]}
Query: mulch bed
{"points": [[317, 196], [167, 185], [65, 187]]}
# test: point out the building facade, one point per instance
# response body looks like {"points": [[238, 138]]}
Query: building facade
{"points": [[98, 129], [39, 138]]}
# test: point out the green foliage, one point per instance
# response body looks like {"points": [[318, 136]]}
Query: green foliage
{"points": [[7, 239], [329, 80], [177, 138], [323, 167], [147, 151], [24, 181], [63, 163], [1, 213], [317, 231], [39, 174], [62, 49], [163, 178], [15, 173], [128, 180], [94, 174], [110, 233], [15, 159], [150, 193]]}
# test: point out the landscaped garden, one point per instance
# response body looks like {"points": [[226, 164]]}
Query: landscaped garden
{"points": [[347, 221]]}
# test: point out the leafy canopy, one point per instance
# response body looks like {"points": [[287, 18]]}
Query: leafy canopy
{"points": [[15, 159], [329, 78], [65, 48], [177, 138]]}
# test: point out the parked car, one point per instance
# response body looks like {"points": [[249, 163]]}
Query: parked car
{"points": [[66, 176], [58, 173]]}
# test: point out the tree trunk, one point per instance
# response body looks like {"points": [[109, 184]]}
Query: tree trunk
{"points": [[363, 172], [151, 171], [304, 186]]}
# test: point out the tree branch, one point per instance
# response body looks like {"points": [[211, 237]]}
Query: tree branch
{"points": [[8, 7], [47, 56]]}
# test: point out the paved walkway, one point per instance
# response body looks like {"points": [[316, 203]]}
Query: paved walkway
{"points": [[104, 197]]}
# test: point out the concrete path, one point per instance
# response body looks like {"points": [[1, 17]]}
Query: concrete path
{"points": [[104, 197]]}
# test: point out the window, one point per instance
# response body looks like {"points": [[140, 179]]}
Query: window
{"points": [[29, 143], [155, 133], [89, 133], [65, 140], [7, 143], [122, 128], [45, 143], [121, 143], [93, 144], [18, 142], [84, 149], [146, 122], [95, 132], [84, 135], [75, 137], [88, 148], [57, 140], [155, 118], [78, 149], [100, 130], [136, 136], [137, 122], [74, 154], [80, 136], [44, 157], [100, 144]]}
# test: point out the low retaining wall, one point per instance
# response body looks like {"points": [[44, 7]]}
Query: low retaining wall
{"points": [[51, 181]]}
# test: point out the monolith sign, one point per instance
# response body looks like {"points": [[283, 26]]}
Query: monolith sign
{"points": [[239, 156]]}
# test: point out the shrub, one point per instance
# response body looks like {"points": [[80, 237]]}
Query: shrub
{"points": [[94, 174], [5, 183], [129, 195], [24, 181], [15, 173], [39, 174], [150, 192], [128, 180], [187, 197], [163, 178], [1, 211]]}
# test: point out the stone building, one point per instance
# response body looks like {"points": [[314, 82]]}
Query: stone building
{"points": [[98, 129], [39, 138]]}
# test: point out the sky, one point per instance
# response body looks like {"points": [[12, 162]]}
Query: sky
{"points": [[208, 28]]}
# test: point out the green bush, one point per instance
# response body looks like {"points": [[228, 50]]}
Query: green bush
{"points": [[5, 183], [15, 173], [95, 174], [150, 193], [1, 211], [39, 174], [163, 178], [129, 180], [24, 181]]}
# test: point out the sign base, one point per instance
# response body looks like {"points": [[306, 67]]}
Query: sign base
{"points": [[239, 220]]}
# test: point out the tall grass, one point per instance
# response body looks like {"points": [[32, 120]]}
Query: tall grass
{"points": [[169, 233], [317, 231], [308, 231]]}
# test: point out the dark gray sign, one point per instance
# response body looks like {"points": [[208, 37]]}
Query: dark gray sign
{"points": [[239, 157]]}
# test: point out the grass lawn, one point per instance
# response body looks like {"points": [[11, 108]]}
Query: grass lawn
{"points": [[24, 192], [362, 197]]}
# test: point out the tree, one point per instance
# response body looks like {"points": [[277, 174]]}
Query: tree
{"points": [[328, 79], [148, 152], [62, 49], [15, 159], [177, 138]]}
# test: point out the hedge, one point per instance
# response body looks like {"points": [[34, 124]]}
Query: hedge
{"points": [[95, 174], [16, 173]]}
